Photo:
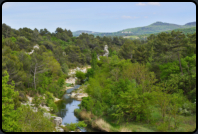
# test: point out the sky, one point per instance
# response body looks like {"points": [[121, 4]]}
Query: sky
{"points": [[95, 16]]}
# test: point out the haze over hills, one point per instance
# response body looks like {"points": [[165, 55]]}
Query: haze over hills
{"points": [[77, 33], [150, 29]]}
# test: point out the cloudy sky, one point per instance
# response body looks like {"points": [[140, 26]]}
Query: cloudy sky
{"points": [[95, 16]]}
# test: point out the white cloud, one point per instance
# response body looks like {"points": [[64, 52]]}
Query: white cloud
{"points": [[154, 3], [129, 17], [140, 4], [145, 16], [126, 17], [135, 17]]}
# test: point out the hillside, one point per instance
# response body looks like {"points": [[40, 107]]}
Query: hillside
{"points": [[77, 33], [186, 31], [153, 28], [150, 29], [190, 24]]}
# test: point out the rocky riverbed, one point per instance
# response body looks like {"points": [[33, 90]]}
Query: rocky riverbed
{"points": [[72, 79], [58, 121]]}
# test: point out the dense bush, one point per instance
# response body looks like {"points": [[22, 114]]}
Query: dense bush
{"points": [[81, 76], [33, 121], [50, 102], [87, 103], [74, 126]]}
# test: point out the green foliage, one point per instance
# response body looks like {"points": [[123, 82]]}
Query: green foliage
{"points": [[13, 39], [53, 106], [163, 127], [50, 102], [37, 101], [9, 115], [169, 68], [74, 126], [80, 75], [158, 72], [97, 109], [61, 82], [87, 103], [94, 61], [90, 73], [188, 108], [33, 121], [65, 68]]}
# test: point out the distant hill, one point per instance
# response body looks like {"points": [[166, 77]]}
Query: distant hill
{"points": [[153, 28], [186, 31], [150, 29], [191, 24], [77, 33]]}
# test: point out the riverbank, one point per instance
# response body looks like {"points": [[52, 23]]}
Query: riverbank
{"points": [[92, 120], [187, 123]]}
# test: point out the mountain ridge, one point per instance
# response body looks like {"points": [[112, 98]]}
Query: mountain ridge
{"points": [[152, 28]]}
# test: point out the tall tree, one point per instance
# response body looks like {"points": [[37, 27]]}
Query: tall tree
{"points": [[178, 41], [127, 50]]}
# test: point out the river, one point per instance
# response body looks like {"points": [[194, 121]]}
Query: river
{"points": [[66, 109]]}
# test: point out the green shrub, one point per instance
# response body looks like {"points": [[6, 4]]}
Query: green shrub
{"points": [[163, 127], [187, 109], [37, 101], [87, 103], [33, 121], [61, 82], [90, 72], [22, 96], [65, 68], [80, 75], [9, 115], [53, 106], [74, 126], [41, 90]]}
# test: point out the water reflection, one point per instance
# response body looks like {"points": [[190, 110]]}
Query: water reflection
{"points": [[71, 89], [66, 109]]}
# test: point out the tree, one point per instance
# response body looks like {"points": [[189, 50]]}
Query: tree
{"points": [[178, 41], [94, 61], [23, 43], [14, 67], [69, 33], [35, 35], [59, 30], [127, 50], [38, 64], [10, 42], [9, 115], [6, 30], [80, 75]]}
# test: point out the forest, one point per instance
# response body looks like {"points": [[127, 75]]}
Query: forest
{"points": [[150, 81]]}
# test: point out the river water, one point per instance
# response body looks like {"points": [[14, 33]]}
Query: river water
{"points": [[66, 109]]}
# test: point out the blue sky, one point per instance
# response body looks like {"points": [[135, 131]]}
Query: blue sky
{"points": [[95, 16]]}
